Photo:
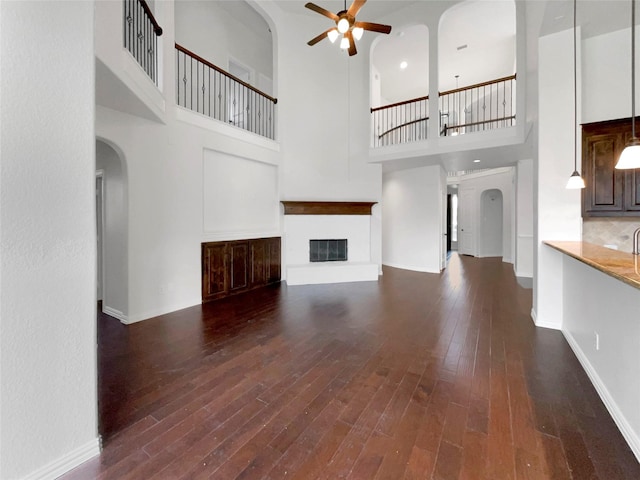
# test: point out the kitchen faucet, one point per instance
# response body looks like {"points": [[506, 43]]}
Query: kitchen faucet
{"points": [[636, 242]]}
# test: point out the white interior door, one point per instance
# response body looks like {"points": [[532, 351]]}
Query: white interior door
{"points": [[466, 235]]}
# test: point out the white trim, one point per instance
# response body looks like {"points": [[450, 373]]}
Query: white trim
{"points": [[549, 325], [100, 175], [623, 425], [112, 312], [413, 268], [67, 462], [199, 120], [210, 236], [161, 311]]}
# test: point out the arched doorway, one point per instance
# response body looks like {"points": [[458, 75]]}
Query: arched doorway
{"points": [[112, 228], [491, 224]]}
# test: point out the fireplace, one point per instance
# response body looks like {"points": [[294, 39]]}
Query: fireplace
{"points": [[328, 250], [328, 242]]}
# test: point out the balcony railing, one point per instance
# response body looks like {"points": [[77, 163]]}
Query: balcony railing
{"points": [[485, 106], [401, 122], [205, 88], [141, 32]]}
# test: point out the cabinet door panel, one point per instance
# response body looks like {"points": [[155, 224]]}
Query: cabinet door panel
{"points": [[274, 261], [605, 184], [214, 278], [632, 190], [239, 272], [258, 249]]}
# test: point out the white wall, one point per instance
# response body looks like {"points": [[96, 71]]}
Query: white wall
{"points": [[115, 254], [605, 95], [559, 216], [411, 224], [500, 179], [524, 219], [48, 404]]}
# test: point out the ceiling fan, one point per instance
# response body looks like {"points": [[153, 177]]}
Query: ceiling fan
{"points": [[346, 25]]}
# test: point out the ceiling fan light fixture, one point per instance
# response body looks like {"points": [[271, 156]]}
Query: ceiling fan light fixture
{"points": [[333, 35], [358, 32], [344, 43], [343, 25]]}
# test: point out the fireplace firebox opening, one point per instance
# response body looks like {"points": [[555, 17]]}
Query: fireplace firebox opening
{"points": [[328, 250]]}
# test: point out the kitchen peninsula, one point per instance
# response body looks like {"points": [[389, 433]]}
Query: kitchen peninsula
{"points": [[601, 321]]}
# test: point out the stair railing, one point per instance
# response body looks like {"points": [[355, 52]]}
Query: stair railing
{"points": [[483, 106], [401, 122], [206, 88], [141, 32]]}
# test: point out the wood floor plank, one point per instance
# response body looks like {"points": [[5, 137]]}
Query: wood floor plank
{"points": [[417, 376]]}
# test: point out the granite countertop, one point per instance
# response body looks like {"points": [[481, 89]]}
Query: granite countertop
{"points": [[621, 265]]}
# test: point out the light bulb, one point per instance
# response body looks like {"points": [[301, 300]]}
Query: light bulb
{"points": [[343, 25], [344, 43], [357, 32], [333, 35], [575, 181], [630, 156]]}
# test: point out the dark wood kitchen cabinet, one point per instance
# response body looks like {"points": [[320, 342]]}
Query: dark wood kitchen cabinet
{"points": [[609, 192], [237, 266]]}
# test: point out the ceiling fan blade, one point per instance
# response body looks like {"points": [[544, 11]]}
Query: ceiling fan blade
{"points": [[373, 27], [315, 40], [322, 11], [355, 7], [352, 43]]}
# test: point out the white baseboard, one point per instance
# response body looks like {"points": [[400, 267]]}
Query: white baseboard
{"points": [[413, 268], [534, 316], [67, 462], [542, 324], [161, 311], [112, 312], [629, 435]]}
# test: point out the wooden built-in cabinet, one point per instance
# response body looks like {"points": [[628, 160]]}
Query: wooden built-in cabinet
{"points": [[609, 192], [237, 266]]}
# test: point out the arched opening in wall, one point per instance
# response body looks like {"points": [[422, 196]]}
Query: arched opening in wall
{"points": [[400, 86], [477, 67], [112, 228], [491, 223]]}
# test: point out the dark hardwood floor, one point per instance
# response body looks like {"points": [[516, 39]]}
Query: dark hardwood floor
{"points": [[417, 376]]}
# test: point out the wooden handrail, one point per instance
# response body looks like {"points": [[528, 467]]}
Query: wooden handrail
{"points": [[478, 85], [403, 125], [481, 122], [156, 28], [399, 104], [225, 73]]}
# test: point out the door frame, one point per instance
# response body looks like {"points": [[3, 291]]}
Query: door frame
{"points": [[100, 291]]}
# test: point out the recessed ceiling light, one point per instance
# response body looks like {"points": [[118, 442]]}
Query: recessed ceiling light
{"points": [[476, 161], [403, 65]]}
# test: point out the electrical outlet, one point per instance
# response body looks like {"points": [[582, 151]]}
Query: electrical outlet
{"points": [[597, 341]]}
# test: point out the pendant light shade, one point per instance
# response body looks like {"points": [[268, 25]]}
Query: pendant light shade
{"points": [[575, 180], [333, 35], [630, 156], [344, 43]]}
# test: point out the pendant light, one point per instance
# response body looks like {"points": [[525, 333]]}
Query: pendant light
{"points": [[575, 180], [630, 156]]}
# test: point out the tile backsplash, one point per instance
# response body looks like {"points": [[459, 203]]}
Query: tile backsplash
{"points": [[610, 231]]}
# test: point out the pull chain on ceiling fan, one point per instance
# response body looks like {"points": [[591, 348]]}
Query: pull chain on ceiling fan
{"points": [[346, 25]]}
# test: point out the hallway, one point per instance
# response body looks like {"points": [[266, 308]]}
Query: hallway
{"points": [[415, 376]]}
